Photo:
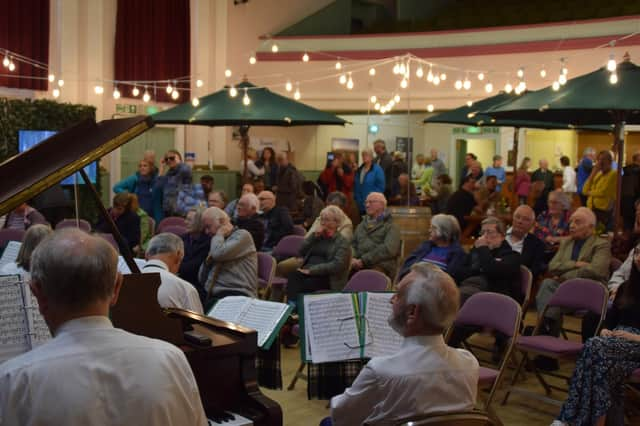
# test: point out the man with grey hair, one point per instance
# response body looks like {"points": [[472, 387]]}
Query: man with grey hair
{"points": [[446, 379], [384, 160], [248, 219], [545, 177], [521, 240], [110, 376], [164, 255], [491, 264]]}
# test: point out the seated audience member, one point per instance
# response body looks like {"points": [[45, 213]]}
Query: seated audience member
{"points": [[440, 194], [462, 202], [217, 199], [487, 197], [376, 241], [491, 264], [582, 255], [23, 216], [623, 273], [498, 171], [403, 192], [446, 379], [530, 247], [600, 188], [325, 258], [126, 220], [164, 255], [22, 264], [277, 221], [552, 225], [248, 218], [196, 247], [443, 248], [206, 182], [145, 226], [110, 376], [232, 208], [312, 204], [607, 361], [231, 268]]}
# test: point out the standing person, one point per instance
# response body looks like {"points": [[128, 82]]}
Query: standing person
{"points": [[497, 170], [110, 376], [630, 191], [384, 160], [469, 159], [289, 184], [424, 184], [522, 183], [267, 162], [126, 220], [418, 167], [584, 171], [337, 176], [253, 170], [600, 188], [462, 202], [172, 176], [369, 178], [438, 166], [568, 176], [150, 157], [545, 176], [398, 166]]}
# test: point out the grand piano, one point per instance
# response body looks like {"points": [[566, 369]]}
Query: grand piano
{"points": [[224, 368]]}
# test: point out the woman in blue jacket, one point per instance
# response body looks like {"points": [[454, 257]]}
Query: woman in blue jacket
{"points": [[369, 178], [142, 184]]}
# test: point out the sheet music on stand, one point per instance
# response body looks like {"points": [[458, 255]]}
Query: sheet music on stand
{"points": [[123, 268], [10, 253], [21, 325], [381, 339]]}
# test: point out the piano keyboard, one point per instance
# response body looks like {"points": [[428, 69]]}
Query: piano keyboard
{"points": [[237, 421]]}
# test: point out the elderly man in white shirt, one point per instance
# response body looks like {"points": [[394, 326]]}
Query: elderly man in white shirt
{"points": [[425, 375], [91, 373], [164, 256]]}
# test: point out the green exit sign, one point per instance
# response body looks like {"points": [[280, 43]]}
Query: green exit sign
{"points": [[152, 109], [126, 109]]}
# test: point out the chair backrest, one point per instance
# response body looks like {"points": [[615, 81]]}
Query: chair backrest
{"points": [[299, 230], [109, 239], [368, 280], [175, 229], [491, 310], [73, 223], [526, 283], [266, 267], [171, 221], [288, 246], [581, 294], [8, 234], [469, 418]]}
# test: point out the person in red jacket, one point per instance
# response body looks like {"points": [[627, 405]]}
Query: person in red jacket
{"points": [[337, 176]]}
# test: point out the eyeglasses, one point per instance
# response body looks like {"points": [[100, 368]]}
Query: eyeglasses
{"points": [[264, 198], [489, 232], [171, 158]]}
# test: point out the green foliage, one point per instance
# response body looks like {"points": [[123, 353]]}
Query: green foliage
{"points": [[43, 114]]}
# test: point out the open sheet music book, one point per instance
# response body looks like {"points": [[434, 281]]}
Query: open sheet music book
{"points": [[21, 325], [10, 253], [267, 318], [123, 268], [344, 326]]}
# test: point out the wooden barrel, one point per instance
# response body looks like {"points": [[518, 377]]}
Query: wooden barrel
{"points": [[414, 224]]}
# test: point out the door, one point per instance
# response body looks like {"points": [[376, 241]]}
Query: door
{"points": [[461, 152], [158, 139]]}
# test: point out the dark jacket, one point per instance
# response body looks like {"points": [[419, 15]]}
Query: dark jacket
{"points": [[327, 256], [455, 259], [461, 204], [195, 252], [171, 184], [277, 224], [546, 177], [128, 223], [532, 255], [385, 162], [270, 173], [500, 267], [289, 187], [255, 226]]}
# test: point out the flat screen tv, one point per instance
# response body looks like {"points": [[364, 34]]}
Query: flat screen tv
{"points": [[30, 138]]}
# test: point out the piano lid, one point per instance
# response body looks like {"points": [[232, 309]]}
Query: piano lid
{"points": [[27, 174]]}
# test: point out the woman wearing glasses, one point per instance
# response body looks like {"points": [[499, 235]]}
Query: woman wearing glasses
{"points": [[172, 176]]}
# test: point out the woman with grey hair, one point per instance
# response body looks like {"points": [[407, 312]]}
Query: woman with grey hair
{"points": [[22, 265], [196, 247], [442, 249], [553, 225]]}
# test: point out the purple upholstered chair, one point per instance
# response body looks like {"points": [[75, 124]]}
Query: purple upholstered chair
{"points": [[266, 272], [287, 247], [368, 280], [299, 230], [175, 229], [497, 312], [574, 295], [73, 223], [8, 234], [110, 240], [526, 283], [170, 221]]}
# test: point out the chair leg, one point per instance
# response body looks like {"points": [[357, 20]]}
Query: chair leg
{"points": [[521, 365], [297, 376]]}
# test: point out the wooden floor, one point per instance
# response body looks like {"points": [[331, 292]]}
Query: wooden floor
{"points": [[298, 410]]}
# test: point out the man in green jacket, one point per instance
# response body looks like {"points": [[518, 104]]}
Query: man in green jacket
{"points": [[376, 241]]}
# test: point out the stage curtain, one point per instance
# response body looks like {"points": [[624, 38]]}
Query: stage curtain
{"points": [[24, 29], [152, 43]]}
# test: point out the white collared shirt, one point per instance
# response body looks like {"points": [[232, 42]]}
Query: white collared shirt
{"points": [[424, 376], [174, 292], [517, 245], [91, 373]]}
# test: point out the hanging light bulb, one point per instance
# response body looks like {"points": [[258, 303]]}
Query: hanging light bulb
{"points": [[443, 76], [402, 69], [60, 82], [372, 72], [116, 93], [396, 98], [199, 83], [12, 66], [373, 99], [565, 70], [488, 87], [436, 80], [98, 89], [342, 79], [175, 94], [252, 59], [376, 106], [56, 93], [274, 48], [555, 86], [338, 65], [430, 75], [613, 78], [396, 68], [305, 57], [5, 61], [350, 82], [195, 102], [383, 109], [562, 79], [227, 73], [288, 87], [522, 86], [391, 104], [458, 84], [169, 88], [233, 92], [520, 72], [419, 72], [51, 78], [404, 83], [146, 97], [543, 72], [466, 84], [481, 76], [611, 64], [245, 99], [296, 94], [135, 92], [469, 103], [508, 87], [430, 107]]}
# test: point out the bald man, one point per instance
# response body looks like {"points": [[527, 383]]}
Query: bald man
{"points": [[277, 221], [520, 238]]}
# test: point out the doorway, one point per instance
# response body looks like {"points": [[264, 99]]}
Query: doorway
{"points": [[483, 148]]}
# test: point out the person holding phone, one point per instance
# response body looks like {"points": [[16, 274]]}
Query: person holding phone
{"points": [[173, 174]]}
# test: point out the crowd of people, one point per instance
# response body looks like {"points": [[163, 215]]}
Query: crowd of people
{"points": [[217, 256]]}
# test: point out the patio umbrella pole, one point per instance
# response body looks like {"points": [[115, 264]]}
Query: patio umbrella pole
{"points": [[516, 138], [244, 140], [618, 146]]}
